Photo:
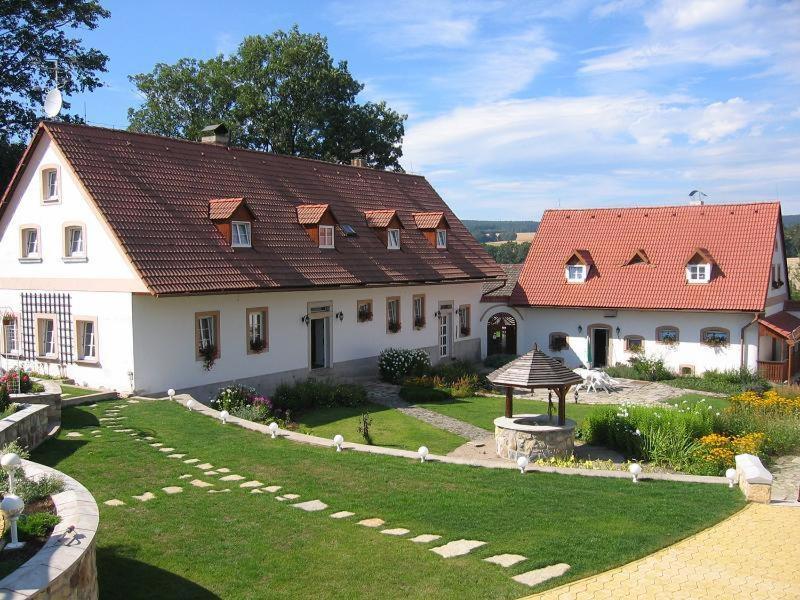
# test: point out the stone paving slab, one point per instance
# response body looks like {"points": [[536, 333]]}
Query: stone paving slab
{"points": [[114, 502], [310, 505], [219, 491], [374, 522], [397, 531], [176, 456], [505, 560], [172, 489], [272, 488], [342, 514], [211, 473], [256, 491], [223, 469], [185, 476], [146, 496], [252, 484], [425, 538], [157, 445], [537, 576], [200, 483], [752, 555], [457, 548], [74, 434], [166, 449], [231, 478], [291, 496], [205, 466], [191, 461]]}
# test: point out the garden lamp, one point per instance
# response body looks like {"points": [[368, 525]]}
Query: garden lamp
{"points": [[635, 470], [171, 393], [423, 453], [731, 475], [338, 440], [190, 404], [10, 463], [13, 506], [224, 415], [273, 429], [522, 462]]}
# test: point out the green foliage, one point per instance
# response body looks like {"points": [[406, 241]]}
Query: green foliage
{"points": [[395, 364], [782, 432], [363, 427], [495, 361], [36, 525], [419, 394], [253, 412], [312, 393], [731, 381], [280, 92], [29, 489], [642, 367], [508, 253], [491, 231]]}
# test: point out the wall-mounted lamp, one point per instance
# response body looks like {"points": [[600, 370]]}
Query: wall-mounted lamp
{"points": [[618, 330], [580, 328], [305, 319], [437, 314], [340, 315]]}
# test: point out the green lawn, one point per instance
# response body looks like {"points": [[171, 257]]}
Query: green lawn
{"points": [[242, 545], [71, 391], [389, 427], [482, 411], [716, 403]]}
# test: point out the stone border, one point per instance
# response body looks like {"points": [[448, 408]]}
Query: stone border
{"points": [[65, 566], [453, 460], [89, 398], [30, 426]]}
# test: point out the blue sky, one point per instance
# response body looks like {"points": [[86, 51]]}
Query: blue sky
{"points": [[516, 107]]}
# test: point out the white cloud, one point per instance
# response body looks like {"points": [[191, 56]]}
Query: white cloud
{"points": [[614, 7], [685, 15]]}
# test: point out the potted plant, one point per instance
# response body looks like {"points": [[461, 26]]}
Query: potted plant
{"points": [[364, 315], [394, 326], [419, 322], [208, 353], [8, 318], [256, 344]]}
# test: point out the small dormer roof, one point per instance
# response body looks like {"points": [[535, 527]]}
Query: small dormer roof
{"points": [[639, 256], [584, 257], [381, 219], [311, 214], [218, 128], [222, 209], [430, 220], [701, 255]]}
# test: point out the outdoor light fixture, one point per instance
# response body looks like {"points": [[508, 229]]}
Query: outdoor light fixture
{"points": [[338, 440], [618, 330], [340, 316], [580, 328], [522, 462], [635, 470], [190, 404], [437, 314], [273, 429], [10, 463], [13, 506], [224, 415], [731, 475], [423, 453], [305, 319], [171, 394], [576, 395]]}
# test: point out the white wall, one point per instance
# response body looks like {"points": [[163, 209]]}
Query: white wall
{"points": [[164, 334], [538, 323], [774, 295]]}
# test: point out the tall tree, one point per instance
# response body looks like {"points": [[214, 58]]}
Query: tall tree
{"points": [[32, 33], [281, 92]]}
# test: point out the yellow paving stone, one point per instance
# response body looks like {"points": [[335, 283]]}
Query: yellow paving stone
{"points": [[745, 557]]}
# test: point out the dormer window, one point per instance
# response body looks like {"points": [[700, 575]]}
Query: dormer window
{"points": [[700, 273], [50, 185], [240, 234], [577, 265], [393, 239], [326, 238], [576, 273], [434, 227], [441, 238]]}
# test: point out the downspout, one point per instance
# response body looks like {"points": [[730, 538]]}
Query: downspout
{"points": [[742, 346]]}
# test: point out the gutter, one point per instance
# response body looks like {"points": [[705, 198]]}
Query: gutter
{"points": [[742, 347]]}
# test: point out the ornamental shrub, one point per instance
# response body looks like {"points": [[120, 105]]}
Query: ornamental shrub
{"points": [[311, 393], [36, 525], [233, 397], [395, 364]]}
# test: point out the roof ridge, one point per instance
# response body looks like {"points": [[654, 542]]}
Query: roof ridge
{"points": [[663, 207]]}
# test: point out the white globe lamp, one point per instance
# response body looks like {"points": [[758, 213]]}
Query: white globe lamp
{"points": [[730, 474], [10, 463], [273, 429], [190, 404], [635, 469], [171, 393], [338, 440], [423, 453], [224, 416], [522, 463], [13, 506]]}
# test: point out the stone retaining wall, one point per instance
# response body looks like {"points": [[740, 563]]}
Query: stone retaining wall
{"points": [[29, 425], [64, 568]]}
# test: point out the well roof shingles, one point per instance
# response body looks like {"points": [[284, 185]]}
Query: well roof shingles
{"points": [[155, 193], [738, 236]]}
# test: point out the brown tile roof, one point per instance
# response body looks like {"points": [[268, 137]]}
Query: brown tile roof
{"points": [[155, 192], [497, 291], [220, 209], [739, 237], [428, 220], [783, 323], [311, 214], [379, 218]]}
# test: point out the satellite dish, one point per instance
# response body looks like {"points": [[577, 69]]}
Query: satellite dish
{"points": [[52, 103]]}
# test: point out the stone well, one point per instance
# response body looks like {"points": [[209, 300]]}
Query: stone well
{"points": [[534, 436]]}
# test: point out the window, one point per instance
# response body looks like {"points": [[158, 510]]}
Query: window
{"points": [[464, 320], [30, 243], [46, 337], [50, 185], [393, 239], [699, 273], [575, 273], [441, 238], [206, 334], [364, 311], [393, 315], [715, 336], [326, 236], [86, 331], [776, 276], [667, 335], [10, 339], [419, 311], [634, 343], [257, 332], [558, 341], [74, 242], [240, 234]]}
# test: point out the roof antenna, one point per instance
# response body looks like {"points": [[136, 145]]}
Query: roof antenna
{"points": [[697, 198], [53, 100]]}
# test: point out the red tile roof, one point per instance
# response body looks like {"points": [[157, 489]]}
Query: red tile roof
{"points": [[155, 192], [311, 214], [220, 209], [783, 323], [428, 220], [379, 218], [738, 236]]}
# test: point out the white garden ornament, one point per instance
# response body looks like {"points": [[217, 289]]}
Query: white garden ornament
{"points": [[731, 475], [522, 462], [423, 453], [10, 463], [635, 470], [273, 429], [338, 440], [224, 416], [171, 393], [190, 404], [13, 506]]}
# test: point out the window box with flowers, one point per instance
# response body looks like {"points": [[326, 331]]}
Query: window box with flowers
{"points": [[715, 337], [364, 311], [393, 326], [8, 318], [419, 322]]}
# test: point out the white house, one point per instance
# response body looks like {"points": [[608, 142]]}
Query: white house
{"points": [[135, 262], [701, 286]]}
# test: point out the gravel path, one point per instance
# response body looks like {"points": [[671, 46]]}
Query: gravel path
{"points": [[388, 395], [786, 478]]}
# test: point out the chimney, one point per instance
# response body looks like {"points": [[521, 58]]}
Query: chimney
{"points": [[216, 134], [697, 198], [357, 159]]}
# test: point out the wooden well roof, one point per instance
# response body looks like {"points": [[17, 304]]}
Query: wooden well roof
{"points": [[534, 370]]}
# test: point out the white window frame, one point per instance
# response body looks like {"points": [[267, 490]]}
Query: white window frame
{"points": [[44, 348], [575, 273], [257, 323], [25, 253], [393, 239], [207, 332], [236, 237], [698, 273], [13, 347], [48, 198], [464, 313], [393, 310], [327, 238], [69, 251], [206, 335], [81, 325], [441, 238]]}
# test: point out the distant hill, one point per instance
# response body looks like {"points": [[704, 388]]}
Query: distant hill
{"points": [[493, 231], [789, 220]]}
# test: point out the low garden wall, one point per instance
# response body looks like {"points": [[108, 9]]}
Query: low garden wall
{"points": [[65, 567], [29, 425]]}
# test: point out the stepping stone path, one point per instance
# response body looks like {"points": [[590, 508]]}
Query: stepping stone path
{"points": [[457, 548], [224, 470], [157, 445], [176, 456], [251, 484], [505, 560], [149, 437], [114, 502], [271, 489], [291, 496], [74, 434], [256, 491], [311, 505], [200, 484], [397, 531], [231, 478], [146, 496], [186, 476], [96, 431], [211, 473], [536, 577], [172, 489], [124, 430], [219, 491], [342, 514], [204, 466], [425, 538], [166, 449], [191, 461], [372, 522]]}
